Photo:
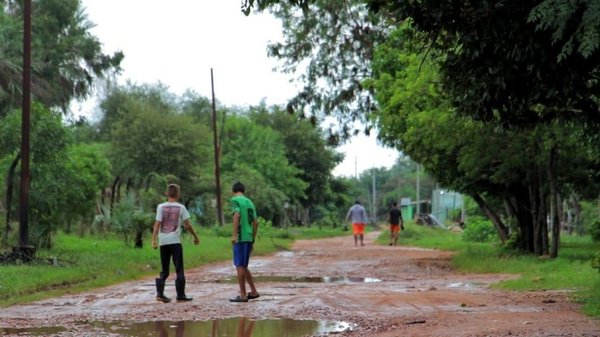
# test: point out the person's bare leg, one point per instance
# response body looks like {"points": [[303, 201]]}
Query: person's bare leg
{"points": [[250, 281], [355, 240], [395, 238], [391, 236], [241, 273], [361, 239]]}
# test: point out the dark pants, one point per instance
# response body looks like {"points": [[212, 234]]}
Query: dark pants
{"points": [[167, 252]]}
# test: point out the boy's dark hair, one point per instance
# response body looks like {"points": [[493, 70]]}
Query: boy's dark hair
{"points": [[357, 202], [173, 190], [238, 187], [394, 204]]}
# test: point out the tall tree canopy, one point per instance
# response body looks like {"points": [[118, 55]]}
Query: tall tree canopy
{"points": [[499, 65], [329, 45], [66, 57]]}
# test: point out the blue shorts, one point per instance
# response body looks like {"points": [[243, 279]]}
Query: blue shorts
{"points": [[241, 254]]}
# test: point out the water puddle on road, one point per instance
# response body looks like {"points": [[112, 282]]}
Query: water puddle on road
{"points": [[464, 285], [305, 279], [46, 331], [241, 327]]}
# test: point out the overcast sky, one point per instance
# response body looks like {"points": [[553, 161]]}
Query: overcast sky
{"points": [[176, 42]]}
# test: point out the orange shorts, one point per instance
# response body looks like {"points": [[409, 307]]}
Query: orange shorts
{"points": [[358, 228], [394, 228]]}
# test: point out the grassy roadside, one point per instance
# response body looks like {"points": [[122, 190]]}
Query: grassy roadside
{"points": [[572, 270], [91, 262]]}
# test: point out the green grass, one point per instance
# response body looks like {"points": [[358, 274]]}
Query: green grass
{"points": [[572, 270], [90, 262]]}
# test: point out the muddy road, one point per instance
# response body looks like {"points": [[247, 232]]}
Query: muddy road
{"points": [[375, 290]]}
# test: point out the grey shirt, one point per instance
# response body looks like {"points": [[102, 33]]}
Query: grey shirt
{"points": [[357, 214]]}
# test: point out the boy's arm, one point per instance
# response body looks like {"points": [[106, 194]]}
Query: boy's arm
{"points": [[155, 234], [189, 228], [236, 226], [254, 230]]}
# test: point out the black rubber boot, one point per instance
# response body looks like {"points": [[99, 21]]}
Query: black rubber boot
{"points": [[180, 287], [160, 291]]}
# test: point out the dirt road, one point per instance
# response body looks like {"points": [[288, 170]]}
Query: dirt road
{"points": [[382, 291]]}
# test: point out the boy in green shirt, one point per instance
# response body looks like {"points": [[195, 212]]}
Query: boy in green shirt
{"points": [[245, 226]]}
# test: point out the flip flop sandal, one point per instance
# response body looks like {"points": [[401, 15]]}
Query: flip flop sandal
{"points": [[253, 297], [238, 299]]}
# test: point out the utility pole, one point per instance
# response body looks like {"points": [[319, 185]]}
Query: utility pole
{"points": [[25, 130], [217, 153]]}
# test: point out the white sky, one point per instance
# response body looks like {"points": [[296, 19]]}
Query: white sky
{"points": [[176, 42]]}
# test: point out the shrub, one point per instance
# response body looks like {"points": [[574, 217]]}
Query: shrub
{"points": [[479, 229], [594, 230]]}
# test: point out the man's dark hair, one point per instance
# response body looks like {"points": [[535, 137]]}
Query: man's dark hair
{"points": [[357, 202], [238, 187], [394, 204], [173, 190]]}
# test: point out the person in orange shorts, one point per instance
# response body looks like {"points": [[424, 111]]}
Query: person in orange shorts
{"points": [[396, 223], [358, 216]]}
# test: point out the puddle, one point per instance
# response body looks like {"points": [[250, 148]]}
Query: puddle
{"points": [[241, 327], [468, 285], [53, 330], [305, 279]]}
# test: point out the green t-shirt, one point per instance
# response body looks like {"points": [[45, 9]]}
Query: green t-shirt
{"points": [[244, 206]]}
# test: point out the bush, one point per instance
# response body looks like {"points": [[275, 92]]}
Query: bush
{"points": [[479, 229], [594, 230], [596, 261]]}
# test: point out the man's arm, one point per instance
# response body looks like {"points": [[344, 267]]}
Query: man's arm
{"points": [[188, 227], [236, 226], [155, 234]]}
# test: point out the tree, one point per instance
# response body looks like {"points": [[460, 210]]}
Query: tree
{"points": [[56, 188], [66, 58], [89, 172], [251, 150], [499, 66], [305, 149], [147, 140], [118, 101], [472, 157], [329, 44]]}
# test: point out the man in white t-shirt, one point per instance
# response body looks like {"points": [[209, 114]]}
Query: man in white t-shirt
{"points": [[170, 216]]}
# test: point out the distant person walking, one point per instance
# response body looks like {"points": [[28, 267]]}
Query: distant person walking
{"points": [[396, 223], [245, 227], [170, 216], [358, 216]]}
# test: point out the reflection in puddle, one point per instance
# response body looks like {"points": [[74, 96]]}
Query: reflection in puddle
{"points": [[306, 279], [239, 327]]}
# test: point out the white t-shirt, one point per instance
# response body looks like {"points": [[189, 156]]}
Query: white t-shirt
{"points": [[171, 216]]}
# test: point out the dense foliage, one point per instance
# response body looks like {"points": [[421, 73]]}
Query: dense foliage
{"points": [[498, 100]]}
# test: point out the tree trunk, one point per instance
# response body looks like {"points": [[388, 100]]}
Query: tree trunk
{"points": [[520, 206], [129, 185], [10, 180], [554, 199], [113, 192], [489, 212], [536, 214]]}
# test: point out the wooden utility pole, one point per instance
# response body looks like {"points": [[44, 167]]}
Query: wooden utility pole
{"points": [[217, 153], [25, 128]]}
